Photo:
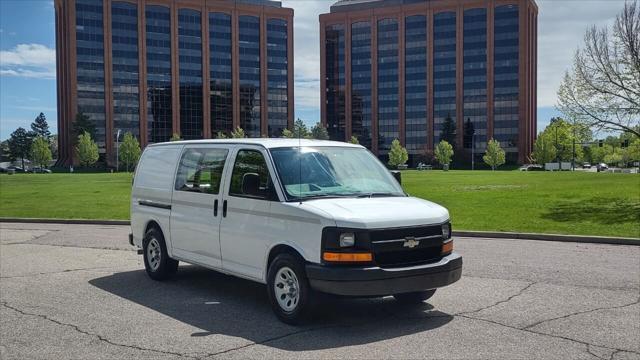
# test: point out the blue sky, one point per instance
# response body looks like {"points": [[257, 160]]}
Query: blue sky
{"points": [[27, 55]]}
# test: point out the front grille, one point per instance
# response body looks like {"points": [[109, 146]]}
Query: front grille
{"points": [[389, 250]]}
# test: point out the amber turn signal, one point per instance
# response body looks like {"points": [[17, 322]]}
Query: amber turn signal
{"points": [[347, 257], [447, 247]]}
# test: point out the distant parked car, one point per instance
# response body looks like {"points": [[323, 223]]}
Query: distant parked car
{"points": [[602, 167], [531, 167], [39, 170], [16, 169], [586, 166]]}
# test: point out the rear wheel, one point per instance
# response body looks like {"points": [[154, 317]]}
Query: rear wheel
{"points": [[414, 297], [157, 263], [289, 290]]}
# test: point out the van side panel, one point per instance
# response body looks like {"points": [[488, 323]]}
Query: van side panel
{"points": [[152, 190]]}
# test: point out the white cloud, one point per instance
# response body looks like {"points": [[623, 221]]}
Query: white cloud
{"points": [[28, 60]]}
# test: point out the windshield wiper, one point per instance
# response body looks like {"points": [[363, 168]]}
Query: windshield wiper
{"points": [[319, 196], [377, 194]]}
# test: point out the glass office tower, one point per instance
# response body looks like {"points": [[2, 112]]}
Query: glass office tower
{"points": [[416, 65], [154, 68]]}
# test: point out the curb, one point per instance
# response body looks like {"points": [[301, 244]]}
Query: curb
{"points": [[64, 221], [472, 234], [550, 237]]}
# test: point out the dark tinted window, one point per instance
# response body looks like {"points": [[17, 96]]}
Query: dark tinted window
{"points": [[251, 161], [200, 170]]}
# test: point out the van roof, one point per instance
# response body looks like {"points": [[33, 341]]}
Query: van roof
{"points": [[265, 142]]}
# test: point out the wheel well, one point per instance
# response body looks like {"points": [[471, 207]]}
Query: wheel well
{"points": [[151, 224], [282, 249]]}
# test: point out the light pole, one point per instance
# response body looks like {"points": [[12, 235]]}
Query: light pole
{"points": [[118, 151]]}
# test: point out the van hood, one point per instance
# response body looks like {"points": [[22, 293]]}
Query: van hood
{"points": [[380, 212]]}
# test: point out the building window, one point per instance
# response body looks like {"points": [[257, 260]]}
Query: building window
{"points": [[190, 54], [159, 103], [388, 115], [220, 73], [506, 82], [361, 82], [277, 76], [335, 81], [90, 66], [444, 71], [125, 72], [249, 59], [415, 103], [474, 131]]}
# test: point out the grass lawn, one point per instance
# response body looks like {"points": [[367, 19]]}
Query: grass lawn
{"points": [[560, 203]]}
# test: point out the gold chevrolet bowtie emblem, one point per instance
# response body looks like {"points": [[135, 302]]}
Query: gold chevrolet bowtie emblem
{"points": [[410, 242]]}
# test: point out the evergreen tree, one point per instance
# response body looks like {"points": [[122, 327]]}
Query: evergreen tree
{"points": [[20, 144], [300, 130], [494, 156], [87, 149], [397, 154], [39, 127], [468, 132], [129, 150], [319, 132], [40, 152], [83, 124], [448, 133]]}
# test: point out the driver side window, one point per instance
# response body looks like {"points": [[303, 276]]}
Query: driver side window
{"points": [[251, 163]]}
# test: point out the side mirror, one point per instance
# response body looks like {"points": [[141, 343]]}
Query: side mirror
{"points": [[396, 174], [251, 184]]}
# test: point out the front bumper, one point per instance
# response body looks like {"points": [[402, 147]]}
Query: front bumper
{"points": [[376, 281]]}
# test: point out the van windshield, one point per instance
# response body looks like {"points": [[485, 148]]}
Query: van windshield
{"points": [[319, 172]]}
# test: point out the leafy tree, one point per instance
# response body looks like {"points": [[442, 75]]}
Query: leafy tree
{"points": [[300, 130], [238, 133], [397, 154], [83, 124], [129, 150], [468, 132], [40, 152], [176, 137], [354, 140], [221, 135], [633, 151], [444, 152], [602, 89], [286, 133], [20, 144], [319, 132], [544, 150], [448, 133], [494, 156], [39, 127], [87, 149], [53, 145], [614, 157]]}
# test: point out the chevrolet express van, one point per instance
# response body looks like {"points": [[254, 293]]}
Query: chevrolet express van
{"points": [[302, 216]]}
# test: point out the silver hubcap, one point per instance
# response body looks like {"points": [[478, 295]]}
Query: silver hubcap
{"points": [[287, 289], [153, 254]]}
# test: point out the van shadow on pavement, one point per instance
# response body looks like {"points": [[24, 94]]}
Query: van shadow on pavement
{"points": [[221, 304]]}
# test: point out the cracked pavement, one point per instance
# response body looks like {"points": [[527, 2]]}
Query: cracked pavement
{"points": [[80, 291]]}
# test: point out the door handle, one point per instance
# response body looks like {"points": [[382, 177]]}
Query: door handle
{"points": [[215, 208], [224, 208]]}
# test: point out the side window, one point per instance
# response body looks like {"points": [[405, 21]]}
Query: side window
{"points": [[200, 170], [251, 163]]}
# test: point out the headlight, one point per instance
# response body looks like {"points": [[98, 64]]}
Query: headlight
{"points": [[446, 231], [347, 239]]}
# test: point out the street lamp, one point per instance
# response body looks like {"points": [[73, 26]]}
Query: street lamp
{"points": [[117, 151]]}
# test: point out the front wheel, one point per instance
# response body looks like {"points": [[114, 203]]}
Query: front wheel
{"points": [[288, 288], [414, 297], [157, 263]]}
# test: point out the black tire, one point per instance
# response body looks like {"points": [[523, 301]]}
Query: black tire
{"points": [[166, 266], [302, 309], [414, 297]]}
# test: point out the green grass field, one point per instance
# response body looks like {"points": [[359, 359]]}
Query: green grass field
{"points": [[557, 203]]}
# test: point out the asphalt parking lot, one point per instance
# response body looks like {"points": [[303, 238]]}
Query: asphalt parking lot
{"points": [[80, 291]]}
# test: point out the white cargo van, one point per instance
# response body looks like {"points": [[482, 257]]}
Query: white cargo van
{"points": [[302, 216]]}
